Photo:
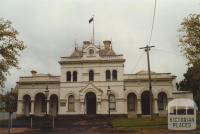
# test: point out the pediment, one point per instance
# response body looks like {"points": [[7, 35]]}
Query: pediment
{"points": [[90, 87]]}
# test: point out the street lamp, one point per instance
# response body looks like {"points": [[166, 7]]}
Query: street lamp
{"points": [[109, 93], [46, 97]]}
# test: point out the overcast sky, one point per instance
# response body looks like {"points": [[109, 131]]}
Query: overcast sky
{"points": [[49, 28]]}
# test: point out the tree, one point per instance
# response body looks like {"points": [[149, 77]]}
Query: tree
{"points": [[190, 45], [190, 38], [10, 99], [191, 82], [10, 48]]}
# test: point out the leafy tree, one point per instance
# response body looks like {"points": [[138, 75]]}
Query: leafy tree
{"points": [[191, 82], [190, 45], [10, 48], [190, 38], [10, 99]]}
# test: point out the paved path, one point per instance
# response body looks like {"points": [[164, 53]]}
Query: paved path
{"points": [[80, 130]]}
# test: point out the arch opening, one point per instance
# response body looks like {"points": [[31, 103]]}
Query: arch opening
{"points": [[40, 104], [53, 105], [131, 102], [145, 98], [91, 103], [27, 105], [162, 101]]}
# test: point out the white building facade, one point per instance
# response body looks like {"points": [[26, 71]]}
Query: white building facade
{"points": [[85, 78]]}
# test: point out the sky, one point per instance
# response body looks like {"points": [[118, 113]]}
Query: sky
{"points": [[50, 28]]}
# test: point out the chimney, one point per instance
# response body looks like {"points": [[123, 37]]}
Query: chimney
{"points": [[107, 44], [33, 72], [86, 43]]}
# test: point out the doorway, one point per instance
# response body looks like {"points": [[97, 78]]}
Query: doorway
{"points": [[145, 98], [91, 103]]}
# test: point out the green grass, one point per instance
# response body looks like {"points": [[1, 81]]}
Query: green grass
{"points": [[140, 123], [144, 123]]}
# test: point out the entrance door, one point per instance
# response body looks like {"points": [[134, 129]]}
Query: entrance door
{"points": [[91, 103], [145, 103]]}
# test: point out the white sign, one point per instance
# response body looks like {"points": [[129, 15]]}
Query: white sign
{"points": [[182, 114]]}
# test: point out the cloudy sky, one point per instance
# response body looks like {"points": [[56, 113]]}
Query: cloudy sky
{"points": [[49, 28]]}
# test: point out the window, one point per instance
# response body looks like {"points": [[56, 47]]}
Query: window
{"points": [[74, 76], [91, 52], [114, 75], [190, 111], [91, 75], [68, 76], [162, 101], [112, 102], [131, 102], [71, 103], [108, 75]]}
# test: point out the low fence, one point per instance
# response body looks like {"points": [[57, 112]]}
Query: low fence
{"points": [[5, 115]]}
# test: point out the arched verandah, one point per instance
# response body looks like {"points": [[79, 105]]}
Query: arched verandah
{"points": [[26, 105], [53, 105], [40, 104], [131, 102]]}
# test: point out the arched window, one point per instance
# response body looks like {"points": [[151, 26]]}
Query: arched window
{"points": [[162, 101], [114, 75], [91, 75], [53, 105], [27, 104], [112, 102], [68, 76], [40, 103], [71, 103], [74, 76], [131, 102], [108, 75]]}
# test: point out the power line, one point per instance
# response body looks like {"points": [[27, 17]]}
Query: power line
{"points": [[169, 52], [152, 26], [138, 60]]}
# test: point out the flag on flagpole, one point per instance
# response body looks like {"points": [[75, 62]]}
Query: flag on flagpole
{"points": [[91, 20]]}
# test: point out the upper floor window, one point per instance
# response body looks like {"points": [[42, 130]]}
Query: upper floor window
{"points": [[114, 75], [108, 75], [91, 75], [68, 76], [75, 76]]}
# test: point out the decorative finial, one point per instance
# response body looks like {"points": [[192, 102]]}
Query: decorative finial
{"points": [[75, 44]]}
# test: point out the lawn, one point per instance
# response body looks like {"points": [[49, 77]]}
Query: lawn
{"points": [[140, 123], [144, 123]]}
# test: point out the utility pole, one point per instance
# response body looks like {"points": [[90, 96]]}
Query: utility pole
{"points": [[147, 49]]}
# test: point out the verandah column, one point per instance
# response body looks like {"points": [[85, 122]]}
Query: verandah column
{"points": [[47, 106], [139, 111], [32, 107], [155, 108]]}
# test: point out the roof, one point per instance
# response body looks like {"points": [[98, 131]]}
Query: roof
{"points": [[144, 72], [106, 52], [182, 102], [77, 53]]}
